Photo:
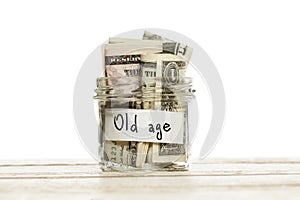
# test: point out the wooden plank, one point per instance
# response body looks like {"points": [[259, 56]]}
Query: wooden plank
{"points": [[209, 179], [155, 187], [85, 169]]}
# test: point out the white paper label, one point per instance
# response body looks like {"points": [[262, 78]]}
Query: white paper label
{"points": [[144, 125]]}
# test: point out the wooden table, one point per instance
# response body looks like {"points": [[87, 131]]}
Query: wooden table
{"points": [[208, 179]]}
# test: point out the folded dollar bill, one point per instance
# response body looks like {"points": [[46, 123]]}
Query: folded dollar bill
{"points": [[170, 46], [124, 60]]}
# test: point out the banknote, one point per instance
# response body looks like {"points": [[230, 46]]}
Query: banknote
{"points": [[113, 151], [170, 68], [125, 153], [132, 153], [170, 46], [147, 75], [142, 149], [165, 70], [149, 156], [123, 60]]}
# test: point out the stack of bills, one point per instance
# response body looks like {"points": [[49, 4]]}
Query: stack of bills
{"points": [[157, 62]]}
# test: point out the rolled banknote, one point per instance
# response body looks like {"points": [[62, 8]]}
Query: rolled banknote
{"points": [[123, 60], [148, 74], [168, 69], [141, 147], [165, 152], [170, 46]]}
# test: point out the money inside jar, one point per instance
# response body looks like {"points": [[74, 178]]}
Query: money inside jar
{"points": [[143, 104]]}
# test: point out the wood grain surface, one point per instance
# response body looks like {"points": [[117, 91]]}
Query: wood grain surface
{"points": [[208, 179]]}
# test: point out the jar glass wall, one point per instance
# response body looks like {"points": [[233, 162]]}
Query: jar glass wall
{"points": [[144, 123]]}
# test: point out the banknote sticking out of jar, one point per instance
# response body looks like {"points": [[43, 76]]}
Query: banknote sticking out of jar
{"points": [[144, 121]]}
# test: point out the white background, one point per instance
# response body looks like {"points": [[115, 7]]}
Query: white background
{"points": [[254, 44]]}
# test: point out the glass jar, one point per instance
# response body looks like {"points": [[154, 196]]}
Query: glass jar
{"points": [[143, 123]]}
